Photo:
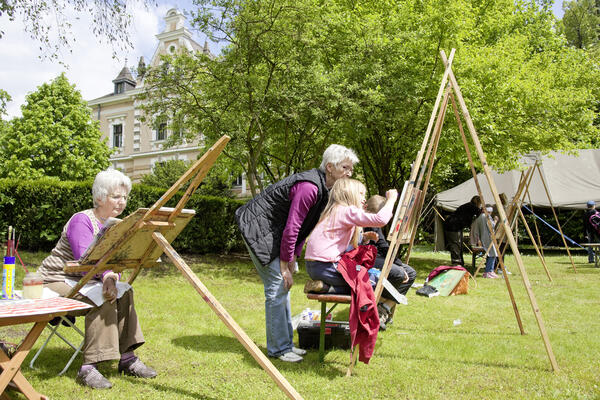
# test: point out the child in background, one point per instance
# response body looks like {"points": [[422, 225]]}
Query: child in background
{"points": [[336, 229], [401, 275], [481, 236]]}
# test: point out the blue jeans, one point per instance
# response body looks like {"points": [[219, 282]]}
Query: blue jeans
{"points": [[490, 262], [278, 310], [328, 273]]}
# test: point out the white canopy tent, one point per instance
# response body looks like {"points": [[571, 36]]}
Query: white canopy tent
{"points": [[572, 181]]}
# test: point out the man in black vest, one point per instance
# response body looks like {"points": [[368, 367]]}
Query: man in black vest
{"points": [[460, 219], [274, 225]]}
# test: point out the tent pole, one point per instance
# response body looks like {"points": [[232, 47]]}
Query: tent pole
{"points": [[535, 244], [562, 235]]}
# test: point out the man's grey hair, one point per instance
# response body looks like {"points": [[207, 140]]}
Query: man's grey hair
{"points": [[335, 154], [106, 182]]}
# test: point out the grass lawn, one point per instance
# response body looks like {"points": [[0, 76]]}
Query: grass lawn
{"points": [[423, 355]]}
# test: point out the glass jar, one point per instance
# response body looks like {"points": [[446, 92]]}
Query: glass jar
{"points": [[33, 286]]}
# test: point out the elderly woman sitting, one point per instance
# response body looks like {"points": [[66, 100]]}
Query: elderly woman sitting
{"points": [[112, 331]]}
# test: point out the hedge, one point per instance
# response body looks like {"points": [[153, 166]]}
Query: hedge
{"points": [[39, 210]]}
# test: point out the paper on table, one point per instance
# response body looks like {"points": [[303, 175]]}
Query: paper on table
{"points": [[93, 290]]}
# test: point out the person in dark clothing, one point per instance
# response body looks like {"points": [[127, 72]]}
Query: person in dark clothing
{"points": [[588, 230], [401, 275], [460, 219]]}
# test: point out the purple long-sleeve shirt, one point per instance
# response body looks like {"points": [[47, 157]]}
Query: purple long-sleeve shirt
{"points": [[80, 234], [303, 196]]}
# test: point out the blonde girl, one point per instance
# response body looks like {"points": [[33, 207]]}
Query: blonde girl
{"points": [[336, 229]]}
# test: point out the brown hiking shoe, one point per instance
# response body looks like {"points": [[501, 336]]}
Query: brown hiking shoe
{"points": [[314, 286]]}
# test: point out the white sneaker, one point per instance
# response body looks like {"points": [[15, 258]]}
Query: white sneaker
{"points": [[300, 352], [290, 356]]}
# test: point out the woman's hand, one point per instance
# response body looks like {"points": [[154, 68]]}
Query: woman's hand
{"points": [[287, 269], [109, 287]]}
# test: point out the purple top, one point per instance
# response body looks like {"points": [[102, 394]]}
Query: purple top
{"points": [[303, 196], [80, 234]]}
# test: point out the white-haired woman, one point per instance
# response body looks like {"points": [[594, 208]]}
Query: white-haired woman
{"points": [[274, 225], [112, 331]]}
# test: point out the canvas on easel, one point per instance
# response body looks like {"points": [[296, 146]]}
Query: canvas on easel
{"points": [[139, 239]]}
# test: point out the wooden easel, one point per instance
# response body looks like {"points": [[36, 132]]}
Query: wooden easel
{"points": [[140, 239], [450, 91], [515, 210]]}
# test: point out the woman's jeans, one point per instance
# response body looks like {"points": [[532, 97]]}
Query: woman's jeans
{"points": [[278, 311], [490, 262]]}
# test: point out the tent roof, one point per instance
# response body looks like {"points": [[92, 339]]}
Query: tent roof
{"points": [[572, 181]]}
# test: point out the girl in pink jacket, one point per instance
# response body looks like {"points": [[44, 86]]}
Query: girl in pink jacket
{"points": [[336, 229]]}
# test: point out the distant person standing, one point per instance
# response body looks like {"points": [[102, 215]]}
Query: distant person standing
{"points": [[481, 236], [589, 232], [460, 219]]}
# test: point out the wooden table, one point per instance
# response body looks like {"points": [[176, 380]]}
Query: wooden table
{"points": [[40, 312], [596, 249]]}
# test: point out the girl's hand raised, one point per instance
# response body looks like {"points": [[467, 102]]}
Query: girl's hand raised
{"points": [[391, 194]]}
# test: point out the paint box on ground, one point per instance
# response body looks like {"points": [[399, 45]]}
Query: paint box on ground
{"points": [[337, 334]]}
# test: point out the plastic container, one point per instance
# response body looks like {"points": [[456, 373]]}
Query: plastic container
{"points": [[33, 286], [8, 278]]}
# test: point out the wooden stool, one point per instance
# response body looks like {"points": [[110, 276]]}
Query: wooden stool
{"points": [[324, 299]]}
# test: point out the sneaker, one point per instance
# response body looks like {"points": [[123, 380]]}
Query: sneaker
{"points": [[490, 275], [93, 378], [290, 356], [494, 275], [300, 352], [384, 310], [315, 286], [382, 326], [138, 369]]}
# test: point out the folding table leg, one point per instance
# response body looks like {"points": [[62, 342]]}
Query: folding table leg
{"points": [[11, 367]]}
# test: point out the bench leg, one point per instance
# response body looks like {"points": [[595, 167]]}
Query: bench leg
{"points": [[322, 332]]}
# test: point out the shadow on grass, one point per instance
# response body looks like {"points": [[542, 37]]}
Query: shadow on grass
{"points": [[219, 344], [209, 343]]}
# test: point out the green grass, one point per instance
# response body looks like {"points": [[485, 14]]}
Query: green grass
{"points": [[421, 356]]}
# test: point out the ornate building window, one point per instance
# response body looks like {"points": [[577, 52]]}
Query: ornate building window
{"points": [[117, 136]]}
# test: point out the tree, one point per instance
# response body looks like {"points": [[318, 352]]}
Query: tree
{"points": [[44, 20], [300, 75], [581, 23], [55, 137], [267, 90]]}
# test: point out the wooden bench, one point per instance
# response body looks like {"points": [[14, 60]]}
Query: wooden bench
{"points": [[324, 299]]}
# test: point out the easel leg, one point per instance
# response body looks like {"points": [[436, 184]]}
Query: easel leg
{"points": [[353, 357], [239, 333]]}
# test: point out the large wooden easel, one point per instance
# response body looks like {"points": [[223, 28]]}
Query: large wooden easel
{"points": [[449, 91], [140, 239]]}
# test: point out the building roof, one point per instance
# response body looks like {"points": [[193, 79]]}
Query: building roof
{"points": [[125, 76]]}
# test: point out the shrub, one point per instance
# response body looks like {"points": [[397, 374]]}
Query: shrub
{"points": [[39, 210]]}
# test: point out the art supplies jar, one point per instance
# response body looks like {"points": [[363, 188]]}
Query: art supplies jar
{"points": [[8, 278], [33, 286]]}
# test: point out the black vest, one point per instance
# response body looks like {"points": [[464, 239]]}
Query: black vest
{"points": [[262, 220]]}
